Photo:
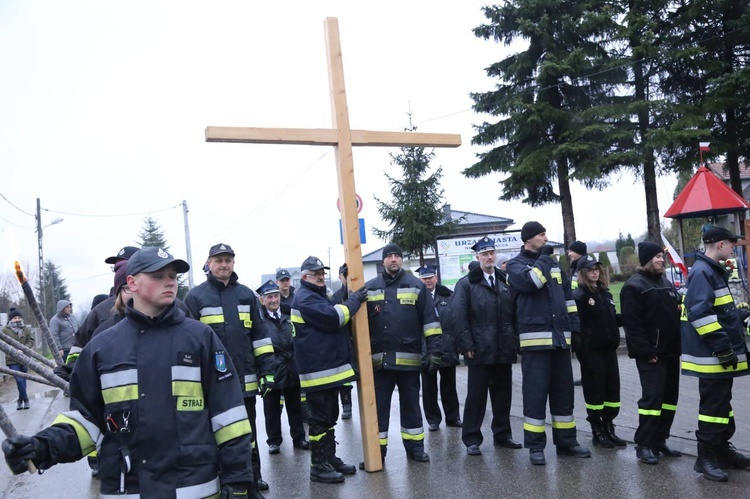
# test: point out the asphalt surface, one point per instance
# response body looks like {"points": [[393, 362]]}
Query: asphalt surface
{"points": [[451, 472]]}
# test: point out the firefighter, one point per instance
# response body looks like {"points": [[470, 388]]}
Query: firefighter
{"points": [[651, 319], [322, 350], [714, 350], [596, 348], [157, 394], [346, 389], [286, 391], [546, 316], [576, 251], [401, 315], [232, 311]]}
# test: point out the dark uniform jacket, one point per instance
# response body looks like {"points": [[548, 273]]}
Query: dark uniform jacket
{"points": [[483, 319], [401, 313], [161, 391], [443, 300], [650, 311], [321, 346], [711, 323], [545, 311], [233, 313], [286, 303], [281, 332], [599, 320]]}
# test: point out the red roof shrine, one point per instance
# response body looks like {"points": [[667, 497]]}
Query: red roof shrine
{"points": [[706, 195]]}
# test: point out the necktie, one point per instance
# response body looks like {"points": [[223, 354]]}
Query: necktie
{"points": [[492, 281], [277, 315]]}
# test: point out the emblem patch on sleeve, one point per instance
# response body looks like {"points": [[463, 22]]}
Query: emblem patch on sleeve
{"points": [[220, 361]]}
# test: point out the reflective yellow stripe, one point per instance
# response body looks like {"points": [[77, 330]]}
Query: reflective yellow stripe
{"points": [[84, 438], [120, 394], [383, 441], [612, 404], [563, 425], [668, 407], [212, 319], [187, 389], [535, 343], [407, 362], [709, 328], [712, 419], [533, 428], [433, 332], [232, 431], [595, 407], [649, 412], [409, 436], [572, 309], [246, 319], [324, 380], [711, 368], [264, 349], [540, 276], [316, 438]]}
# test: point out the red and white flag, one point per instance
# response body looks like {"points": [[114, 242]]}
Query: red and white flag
{"points": [[674, 257], [704, 146]]}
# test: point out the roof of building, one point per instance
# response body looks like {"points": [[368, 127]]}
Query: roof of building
{"points": [[469, 218], [722, 170]]}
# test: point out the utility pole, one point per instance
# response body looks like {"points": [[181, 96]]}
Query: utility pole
{"points": [[42, 287], [187, 243]]}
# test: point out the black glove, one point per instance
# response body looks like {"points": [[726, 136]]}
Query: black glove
{"points": [[435, 362], [727, 359], [239, 490], [547, 249], [265, 384], [63, 371], [359, 295], [20, 449]]}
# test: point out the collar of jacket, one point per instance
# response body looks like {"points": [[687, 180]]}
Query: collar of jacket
{"points": [[722, 271], [477, 275], [217, 283], [171, 315], [321, 290], [441, 290], [530, 254], [391, 279]]}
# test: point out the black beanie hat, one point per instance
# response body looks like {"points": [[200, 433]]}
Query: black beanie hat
{"points": [[392, 248], [648, 250], [13, 313], [579, 247], [531, 229]]}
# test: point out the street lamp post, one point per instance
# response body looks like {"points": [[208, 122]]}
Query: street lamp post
{"points": [[39, 228]]}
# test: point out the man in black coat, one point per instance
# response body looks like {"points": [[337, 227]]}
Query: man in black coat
{"points": [[482, 308], [442, 297]]}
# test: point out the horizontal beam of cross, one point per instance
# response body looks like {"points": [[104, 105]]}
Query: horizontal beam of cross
{"points": [[328, 137]]}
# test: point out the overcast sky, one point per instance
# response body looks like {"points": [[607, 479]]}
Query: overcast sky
{"points": [[103, 108]]}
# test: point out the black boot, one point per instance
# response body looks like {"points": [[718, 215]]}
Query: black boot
{"points": [[609, 429], [337, 463], [19, 405], [728, 457], [646, 455], [706, 464], [383, 452], [664, 450], [346, 402], [320, 469], [260, 484], [600, 437]]}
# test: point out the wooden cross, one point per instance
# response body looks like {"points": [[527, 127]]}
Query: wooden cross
{"points": [[342, 138]]}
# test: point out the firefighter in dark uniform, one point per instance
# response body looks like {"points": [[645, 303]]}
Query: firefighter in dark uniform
{"points": [[650, 312], [232, 311], [322, 349], [284, 282], [346, 389], [483, 311], [546, 316], [286, 391], [576, 251], [443, 298], [714, 350], [596, 348], [401, 315], [157, 394]]}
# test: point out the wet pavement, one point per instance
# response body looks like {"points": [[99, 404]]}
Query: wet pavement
{"points": [[451, 472]]}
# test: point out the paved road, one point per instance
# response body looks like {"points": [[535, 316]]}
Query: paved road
{"points": [[451, 473]]}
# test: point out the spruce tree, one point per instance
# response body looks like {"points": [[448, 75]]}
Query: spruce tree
{"points": [[151, 236]]}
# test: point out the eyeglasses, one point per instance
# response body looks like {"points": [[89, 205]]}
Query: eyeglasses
{"points": [[319, 273]]}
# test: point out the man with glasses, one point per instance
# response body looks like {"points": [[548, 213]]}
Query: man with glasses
{"points": [[322, 350], [401, 315]]}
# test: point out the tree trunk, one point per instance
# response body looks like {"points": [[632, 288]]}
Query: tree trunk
{"points": [[566, 203]]}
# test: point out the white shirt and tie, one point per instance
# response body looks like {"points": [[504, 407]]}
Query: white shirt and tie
{"points": [[490, 278]]}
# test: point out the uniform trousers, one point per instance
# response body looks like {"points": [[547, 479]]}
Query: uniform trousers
{"points": [[412, 431], [600, 379], [273, 406], [715, 417], [448, 396], [250, 408], [497, 379], [660, 389], [548, 374]]}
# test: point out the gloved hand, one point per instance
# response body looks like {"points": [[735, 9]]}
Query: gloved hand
{"points": [[63, 371], [360, 294], [239, 490], [20, 449], [547, 249], [434, 364], [727, 359], [265, 384]]}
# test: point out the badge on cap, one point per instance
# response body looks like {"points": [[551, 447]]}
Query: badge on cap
{"points": [[122, 252], [162, 254], [220, 361]]}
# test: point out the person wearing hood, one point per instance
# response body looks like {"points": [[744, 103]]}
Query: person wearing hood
{"points": [[63, 326], [20, 332]]}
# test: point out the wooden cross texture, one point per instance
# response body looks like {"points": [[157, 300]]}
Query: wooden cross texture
{"points": [[342, 138]]}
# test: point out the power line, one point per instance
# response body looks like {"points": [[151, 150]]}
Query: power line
{"points": [[16, 207], [15, 224], [90, 215]]}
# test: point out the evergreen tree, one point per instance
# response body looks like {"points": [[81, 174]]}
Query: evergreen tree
{"points": [[415, 215], [152, 236], [51, 289], [548, 129]]}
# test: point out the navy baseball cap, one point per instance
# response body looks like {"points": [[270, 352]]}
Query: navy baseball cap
{"points": [[283, 274], [152, 259], [716, 234], [220, 249], [586, 262], [124, 254], [313, 263]]}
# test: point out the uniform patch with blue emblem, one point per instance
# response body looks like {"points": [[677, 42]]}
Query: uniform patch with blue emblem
{"points": [[220, 361]]}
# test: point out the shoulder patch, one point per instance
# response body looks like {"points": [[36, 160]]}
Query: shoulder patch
{"points": [[220, 361]]}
